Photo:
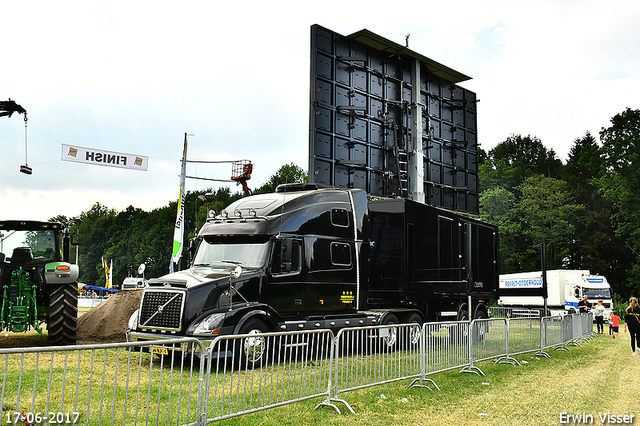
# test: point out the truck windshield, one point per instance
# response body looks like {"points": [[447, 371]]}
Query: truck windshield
{"points": [[597, 293], [27, 246], [249, 255]]}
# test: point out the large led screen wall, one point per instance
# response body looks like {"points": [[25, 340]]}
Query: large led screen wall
{"points": [[361, 127]]}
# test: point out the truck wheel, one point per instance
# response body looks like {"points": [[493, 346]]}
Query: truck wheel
{"points": [[62, 324], [251, 351], [388, 336]]}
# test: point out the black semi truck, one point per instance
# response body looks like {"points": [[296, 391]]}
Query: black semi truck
{"points": [[307, 258]]}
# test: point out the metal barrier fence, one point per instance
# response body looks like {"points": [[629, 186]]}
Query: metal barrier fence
{"points": [[446, 346], [551, 333], [368, 356], [508, 312], [182, 382], [524, 335], [120, 383], [249, 373]]}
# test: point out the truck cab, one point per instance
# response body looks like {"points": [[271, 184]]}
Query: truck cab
{"points": [[595, 287], [301, 267]]}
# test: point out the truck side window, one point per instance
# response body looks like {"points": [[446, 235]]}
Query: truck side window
{"points": [[286, 257], [340, 217], [340, 254]]}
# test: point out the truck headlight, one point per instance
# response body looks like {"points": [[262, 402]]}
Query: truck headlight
{"points": [[133, 320], [207, 326]]}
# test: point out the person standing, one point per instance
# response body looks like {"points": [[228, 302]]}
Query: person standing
{"points": [[584, 305], [598, 313], [632, 321], [615, 323]]}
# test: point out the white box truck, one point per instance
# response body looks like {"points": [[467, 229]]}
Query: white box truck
{"points": [[565, 288]]}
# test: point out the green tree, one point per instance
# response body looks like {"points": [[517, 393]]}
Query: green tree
{"points": [[517, 158], [289, 173], [498, 206], [595, 245], [93, 240], [620, 184], [548, 214]]}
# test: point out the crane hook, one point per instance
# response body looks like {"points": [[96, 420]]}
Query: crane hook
{"points": [[25, 168]]}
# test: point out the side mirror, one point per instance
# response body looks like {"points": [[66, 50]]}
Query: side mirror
{"points": [[577, 292], [192, 248], [237, 271]]}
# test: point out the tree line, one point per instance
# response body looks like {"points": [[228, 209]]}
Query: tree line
{"points": [[584, 210]]}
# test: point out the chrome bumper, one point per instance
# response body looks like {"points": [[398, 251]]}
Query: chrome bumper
{"points": [[185, 347]]}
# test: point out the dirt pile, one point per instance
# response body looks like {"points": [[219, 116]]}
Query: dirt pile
{"points": [[107, 322]]}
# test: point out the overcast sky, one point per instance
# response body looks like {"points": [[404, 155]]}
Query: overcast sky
{"points": [[134, 76]]}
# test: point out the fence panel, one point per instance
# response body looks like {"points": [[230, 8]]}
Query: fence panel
{"points": [[249, 373], [524, 335], [551, 331], [508, 312], [120, 383], [587, 325], [576, 327], [489, 338], [373, 355], [446, 345]]}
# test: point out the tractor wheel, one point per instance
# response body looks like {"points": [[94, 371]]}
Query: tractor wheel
{"points": [[63, 314]]}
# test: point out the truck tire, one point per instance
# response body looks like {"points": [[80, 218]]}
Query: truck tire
{"points": [[250, 352], [388, 336], [458, 332], [412, 334], [62, 323], [480, 328]]}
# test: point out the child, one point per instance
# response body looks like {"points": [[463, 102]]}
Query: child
{"points": [[610, 325], [615, 323]]}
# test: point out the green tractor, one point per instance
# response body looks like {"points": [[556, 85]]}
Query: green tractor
{"points": [[38, 285]]}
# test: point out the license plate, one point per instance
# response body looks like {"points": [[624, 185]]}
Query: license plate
{"points": [[159, 350]]}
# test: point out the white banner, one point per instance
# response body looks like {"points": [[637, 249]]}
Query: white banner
{"points": [[99, 157]]}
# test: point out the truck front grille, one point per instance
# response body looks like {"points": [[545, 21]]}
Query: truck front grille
{"points": [[161, 310]]}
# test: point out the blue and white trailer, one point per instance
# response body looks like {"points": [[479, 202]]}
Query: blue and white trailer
{"points": [[565, 288]]}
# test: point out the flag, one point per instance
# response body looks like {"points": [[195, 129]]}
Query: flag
{"points": [[110, 282], [178, 231], [107, 273]]}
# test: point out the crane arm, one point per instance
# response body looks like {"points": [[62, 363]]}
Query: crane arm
{"points": [[7, 108]]}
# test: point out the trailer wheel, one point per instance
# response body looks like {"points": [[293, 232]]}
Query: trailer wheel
{"points": [[459, 332], [62, 323], [414, 331], [251, 351], [481, 328]]}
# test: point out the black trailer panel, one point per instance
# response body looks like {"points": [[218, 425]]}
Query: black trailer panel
{"points": [[419, 253]]}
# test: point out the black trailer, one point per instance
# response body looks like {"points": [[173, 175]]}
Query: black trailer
{"points": [[430, 258]]}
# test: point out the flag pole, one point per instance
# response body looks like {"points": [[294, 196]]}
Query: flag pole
{"points": [[178, 231]]}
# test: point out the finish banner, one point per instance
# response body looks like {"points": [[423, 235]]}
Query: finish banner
{"points": [[98, 157]]}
